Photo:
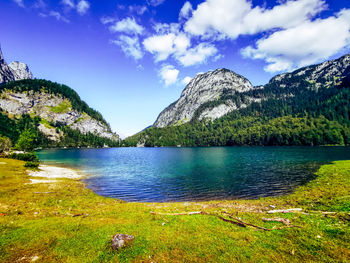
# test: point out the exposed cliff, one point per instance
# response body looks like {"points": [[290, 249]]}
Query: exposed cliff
{"points": [[202, 89], [14, 71]]}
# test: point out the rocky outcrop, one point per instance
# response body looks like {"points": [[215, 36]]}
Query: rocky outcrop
{"points": [[20, 70], [202, 89], [52, 109], [217, 93], [14, 71], [325, 74]]}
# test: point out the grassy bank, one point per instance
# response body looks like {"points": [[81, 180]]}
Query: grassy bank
{"points": [[65, 222]]}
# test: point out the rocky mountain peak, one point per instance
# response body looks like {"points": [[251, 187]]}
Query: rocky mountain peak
{"points": [[20, 70], [330, 71], [203, 88], [1, 57], [14, 71]]}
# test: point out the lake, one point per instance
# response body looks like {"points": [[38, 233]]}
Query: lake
{"points": [[194, 174]]}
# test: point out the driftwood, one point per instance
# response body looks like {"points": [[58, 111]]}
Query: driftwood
{"points": [[290, 210]]}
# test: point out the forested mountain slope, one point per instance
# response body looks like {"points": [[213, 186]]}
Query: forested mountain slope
{"points": [[54, 113], [309, 106]]}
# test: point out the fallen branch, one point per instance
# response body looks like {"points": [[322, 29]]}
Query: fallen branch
{"points": [[235, 221], [283, 211], [247, 224]]}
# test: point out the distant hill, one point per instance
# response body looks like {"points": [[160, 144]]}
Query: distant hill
{"points": [[309, 106]]}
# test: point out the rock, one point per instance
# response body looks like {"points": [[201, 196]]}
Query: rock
{"points": [[41, 103], [14, 71], [121, 240], [20, 70], [204, 88]]}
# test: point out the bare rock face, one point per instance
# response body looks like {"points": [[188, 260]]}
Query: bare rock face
{"points": [[326, 74], [43, 105], [5, 72], [202, 89], [20, 70], [121, 240], [14, 71]]}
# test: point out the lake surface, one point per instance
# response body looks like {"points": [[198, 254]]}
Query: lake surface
{"points": [[187, 174]]}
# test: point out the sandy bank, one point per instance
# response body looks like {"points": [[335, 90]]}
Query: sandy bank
{"points": [[54, 172]]}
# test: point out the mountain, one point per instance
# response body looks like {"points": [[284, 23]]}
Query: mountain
{"points": [[53, 113], [14, 71], [202, 89], [309, 106]]}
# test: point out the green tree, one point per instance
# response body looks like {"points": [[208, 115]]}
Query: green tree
{"points": [[26, 140], [5, 144]]}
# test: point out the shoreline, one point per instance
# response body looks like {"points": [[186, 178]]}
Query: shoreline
{"points": [[63, 221], [53, 172]]}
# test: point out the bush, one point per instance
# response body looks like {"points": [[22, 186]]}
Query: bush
{"points": [[26, 140], [5, 144], [28, 157], [31, 164]]}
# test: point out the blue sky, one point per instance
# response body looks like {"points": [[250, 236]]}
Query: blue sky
{"points": [[131, 59]]}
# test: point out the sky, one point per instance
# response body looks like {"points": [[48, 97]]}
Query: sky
{"points": [[131, 59]]}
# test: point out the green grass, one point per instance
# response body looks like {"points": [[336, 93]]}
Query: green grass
{"points": [[38, 220], [46, 123], [63, 107]]}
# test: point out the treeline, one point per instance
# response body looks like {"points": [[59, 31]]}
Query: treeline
{"points": [[40, 85], [253, 131], [24, 133]]}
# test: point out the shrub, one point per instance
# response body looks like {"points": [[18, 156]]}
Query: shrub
{"points": [[5, 144], [31, 164], [26, 141], [28, 157]]}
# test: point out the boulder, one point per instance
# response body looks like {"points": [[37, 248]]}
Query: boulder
{"points": [[121, 240]]}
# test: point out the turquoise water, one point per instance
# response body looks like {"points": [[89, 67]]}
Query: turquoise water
{"points": [[185, 174]]}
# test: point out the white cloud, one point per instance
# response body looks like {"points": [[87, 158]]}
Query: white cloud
{"points": [[304, 44], [82, 7], [139, 9], [186, 11], [197, 55], [230, 19], [127, 25], [56, 15], [169, 74], [19, 3], [162, 46], [68, 3], [130, 46], [155, 2], [163, 28], [107, 20], [186, 80]]}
